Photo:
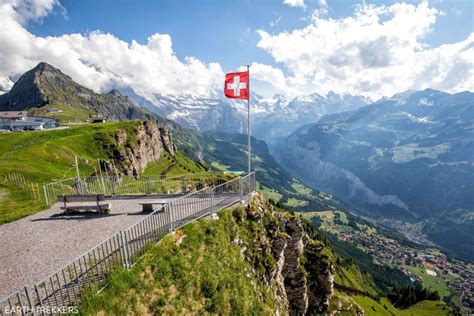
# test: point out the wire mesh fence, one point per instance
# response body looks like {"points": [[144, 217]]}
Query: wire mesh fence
{"points": [[61, 291], [130, 185]]}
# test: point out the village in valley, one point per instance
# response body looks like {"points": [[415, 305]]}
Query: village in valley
{"points": [[428, 265]]}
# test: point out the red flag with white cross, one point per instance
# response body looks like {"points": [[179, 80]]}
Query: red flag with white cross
{"points": [[236, 85]]}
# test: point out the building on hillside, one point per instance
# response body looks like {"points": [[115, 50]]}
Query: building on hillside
{"points": [[98, 120], [20, 121]]}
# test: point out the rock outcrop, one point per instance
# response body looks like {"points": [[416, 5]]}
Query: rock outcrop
{"points": [[132, 150], [288, 260]]}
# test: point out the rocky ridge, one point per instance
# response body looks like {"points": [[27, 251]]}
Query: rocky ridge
{"points": [[288, 260], [131, 150]]}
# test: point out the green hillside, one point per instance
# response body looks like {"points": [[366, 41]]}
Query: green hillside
{"points": [[196, 270], [222, 266], [45, 156]]}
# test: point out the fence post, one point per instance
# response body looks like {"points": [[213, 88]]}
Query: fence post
{"points": [[212, 199], [123, 239], [241, 189], [45, 195], [148, 186], [254, 182], [103, 185], [112, 184], [170, 217], [30, 301]]}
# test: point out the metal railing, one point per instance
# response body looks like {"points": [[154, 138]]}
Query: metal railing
{"points": [[129, 185], [89, 271]]}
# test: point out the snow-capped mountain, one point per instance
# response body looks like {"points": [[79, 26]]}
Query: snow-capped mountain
{"points": [[288, 115], [271, 117]]}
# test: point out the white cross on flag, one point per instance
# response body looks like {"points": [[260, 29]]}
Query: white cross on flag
{"points": [[236, 85]]}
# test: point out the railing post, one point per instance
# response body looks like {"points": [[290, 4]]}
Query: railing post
{"points": [[77, 182], [30, 301], [212, 200], [170, 217], [112, 184], [148, 186], [255, 181], [103, 185], [241, 189], [123, 240], [45, 195], [254, 177]]}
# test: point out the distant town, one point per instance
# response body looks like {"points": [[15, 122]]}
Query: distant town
{"points": [[427, 265]]}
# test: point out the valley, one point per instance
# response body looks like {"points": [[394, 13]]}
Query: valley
{"points": [[407, 158], [452, 279]]}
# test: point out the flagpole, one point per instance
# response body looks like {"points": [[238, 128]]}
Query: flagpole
{"points": [[248, 123]]}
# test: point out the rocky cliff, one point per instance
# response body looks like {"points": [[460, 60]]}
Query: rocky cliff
{"points": [[298, 268], [132, 148]]}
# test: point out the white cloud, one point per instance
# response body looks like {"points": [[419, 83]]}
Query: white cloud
{"points": [[378, 51], [99, 60], [295, 3]]}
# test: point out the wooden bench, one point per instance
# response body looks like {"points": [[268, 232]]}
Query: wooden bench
{"points": [[148, 206], [100, 208]]}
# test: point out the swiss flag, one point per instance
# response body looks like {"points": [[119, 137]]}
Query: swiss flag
{"points": [[236, 85]]}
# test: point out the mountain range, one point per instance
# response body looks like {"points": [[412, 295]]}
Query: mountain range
{"points": [[271, 118], [407, 157]]}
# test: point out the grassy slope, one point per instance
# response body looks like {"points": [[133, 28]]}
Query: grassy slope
{"points": [[423, 308], [353, 278], [68, 114], [45, 156], [169, 165], [200, 270], [434, 283], [196, 270]]}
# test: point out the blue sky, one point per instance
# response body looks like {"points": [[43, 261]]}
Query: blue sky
{"points": [[222, 31], [295, 47]]}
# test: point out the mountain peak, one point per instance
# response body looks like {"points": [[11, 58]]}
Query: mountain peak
{"points": [[115, 92], [45, 68], [44, 84], [44, 65]]}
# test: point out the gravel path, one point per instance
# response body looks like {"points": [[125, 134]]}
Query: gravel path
{"points": [[35, 246]]}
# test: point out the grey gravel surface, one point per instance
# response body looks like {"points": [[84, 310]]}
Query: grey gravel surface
{"points": [[40, 244]]}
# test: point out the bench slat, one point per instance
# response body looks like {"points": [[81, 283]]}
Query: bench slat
{"points": [[81, 198]]}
